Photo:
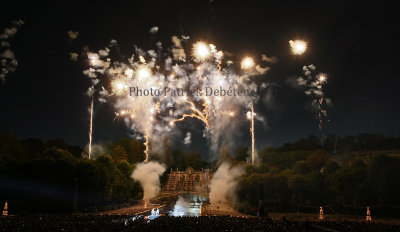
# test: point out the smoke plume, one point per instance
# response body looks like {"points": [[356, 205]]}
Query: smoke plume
{"points": [[148, 176], [224, 183], [8, 61], [181, 207], [167, 70], [187, 139]]}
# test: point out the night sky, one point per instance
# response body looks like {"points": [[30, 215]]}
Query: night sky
{"points": [[355, 44]]}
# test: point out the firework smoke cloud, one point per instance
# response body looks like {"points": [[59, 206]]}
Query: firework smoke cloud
{"points": [[153, 30], [313, 84], [224, 182], [73, 34], [174, 87], [181, 208], [187, 139], [8, 60], [148, 175]]}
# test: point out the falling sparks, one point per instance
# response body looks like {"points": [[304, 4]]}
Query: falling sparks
{"points": [[298, 47], [314, 83], [247, 63], [125, 113]]}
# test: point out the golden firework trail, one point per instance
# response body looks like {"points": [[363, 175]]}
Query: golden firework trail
{"points": [[131, 114], [228, 113], [252, 136], [202, 116], [146, 143], [145, 115], [90, 129], [322, 78], [146, 151]]}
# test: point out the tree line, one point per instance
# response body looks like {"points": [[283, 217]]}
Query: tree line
{"points": [[343, 173], [301, 181], [53, 176]]}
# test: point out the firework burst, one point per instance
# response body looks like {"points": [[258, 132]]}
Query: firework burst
{"points": [[298, 47], [314, 84]]}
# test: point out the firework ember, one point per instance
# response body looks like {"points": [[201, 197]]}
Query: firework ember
{"points": [[250, 116], [90, 129], [314, 83], [153, 91], [298, 47], [115, 113], [201, 50], [8, 61], [247, 63], [152, 98]]}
